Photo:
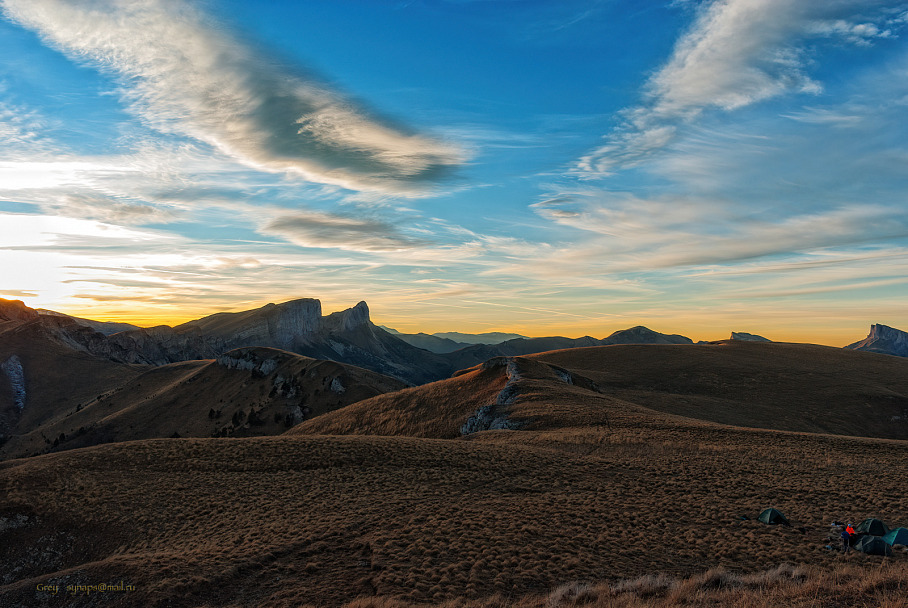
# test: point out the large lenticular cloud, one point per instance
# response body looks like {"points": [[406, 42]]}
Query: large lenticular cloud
{"points": [[182, 74]]}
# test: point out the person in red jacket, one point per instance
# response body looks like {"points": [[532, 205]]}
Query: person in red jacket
{"points": [[848, 536]]}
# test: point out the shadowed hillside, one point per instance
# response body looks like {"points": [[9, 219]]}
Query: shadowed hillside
{"points": [[245, 392], [42, 374]]}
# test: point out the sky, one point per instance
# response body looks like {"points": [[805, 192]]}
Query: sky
{"points": [[549, 168]]}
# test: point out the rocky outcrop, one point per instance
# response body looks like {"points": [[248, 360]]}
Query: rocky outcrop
{"points": [[494, 416], [12, 367], [885, 340]]}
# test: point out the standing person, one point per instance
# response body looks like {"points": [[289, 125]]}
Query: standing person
{"points": [[846, 540]]}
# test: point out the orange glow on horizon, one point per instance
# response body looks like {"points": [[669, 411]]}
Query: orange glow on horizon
{"points": [[842, 333]]}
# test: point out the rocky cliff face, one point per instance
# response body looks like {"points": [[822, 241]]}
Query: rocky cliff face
{"points": [[297, 326], [348, 320], [287, 326], [885, 340]]}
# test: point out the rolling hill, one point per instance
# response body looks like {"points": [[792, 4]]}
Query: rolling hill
{"points": [[244, 392], [613, 492], [791, 387], [43, 373]]}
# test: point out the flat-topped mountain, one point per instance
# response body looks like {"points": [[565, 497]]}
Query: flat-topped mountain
{"points": [[884, 340]]}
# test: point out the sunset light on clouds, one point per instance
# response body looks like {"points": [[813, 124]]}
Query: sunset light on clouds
{"points": [[548, 168]]}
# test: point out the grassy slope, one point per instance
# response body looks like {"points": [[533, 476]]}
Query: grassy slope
{"points": [[796, 387], [178, 398], [57, 376], [434, 410], [596, 489], [323, 520]]}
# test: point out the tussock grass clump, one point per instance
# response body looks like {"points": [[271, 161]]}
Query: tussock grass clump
{"points": [[571, 594]]}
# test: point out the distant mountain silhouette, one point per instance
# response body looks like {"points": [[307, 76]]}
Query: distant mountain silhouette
{"points": [[447, 342], [885, 340], [428, 341], [104, 327], [491, 337], [643, 335], [474, 355], [746, 337], [298, 326]]}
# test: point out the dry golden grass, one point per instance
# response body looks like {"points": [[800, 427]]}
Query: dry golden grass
{"points": [[435, 410], [794, 387], [625, 505], [785, 585], [324, 520]]}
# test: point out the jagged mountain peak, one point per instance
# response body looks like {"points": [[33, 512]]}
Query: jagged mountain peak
{"points": [[350, 319]]}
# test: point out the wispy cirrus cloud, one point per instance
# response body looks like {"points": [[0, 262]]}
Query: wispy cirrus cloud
{"points": [[651, 234], [737, 53], [183, 73]]}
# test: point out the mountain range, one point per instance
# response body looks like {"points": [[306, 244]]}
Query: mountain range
{"points": [[68, 382], [298, 326]]}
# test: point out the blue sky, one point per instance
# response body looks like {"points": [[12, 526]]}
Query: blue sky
{"points": [[544, 167]]}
